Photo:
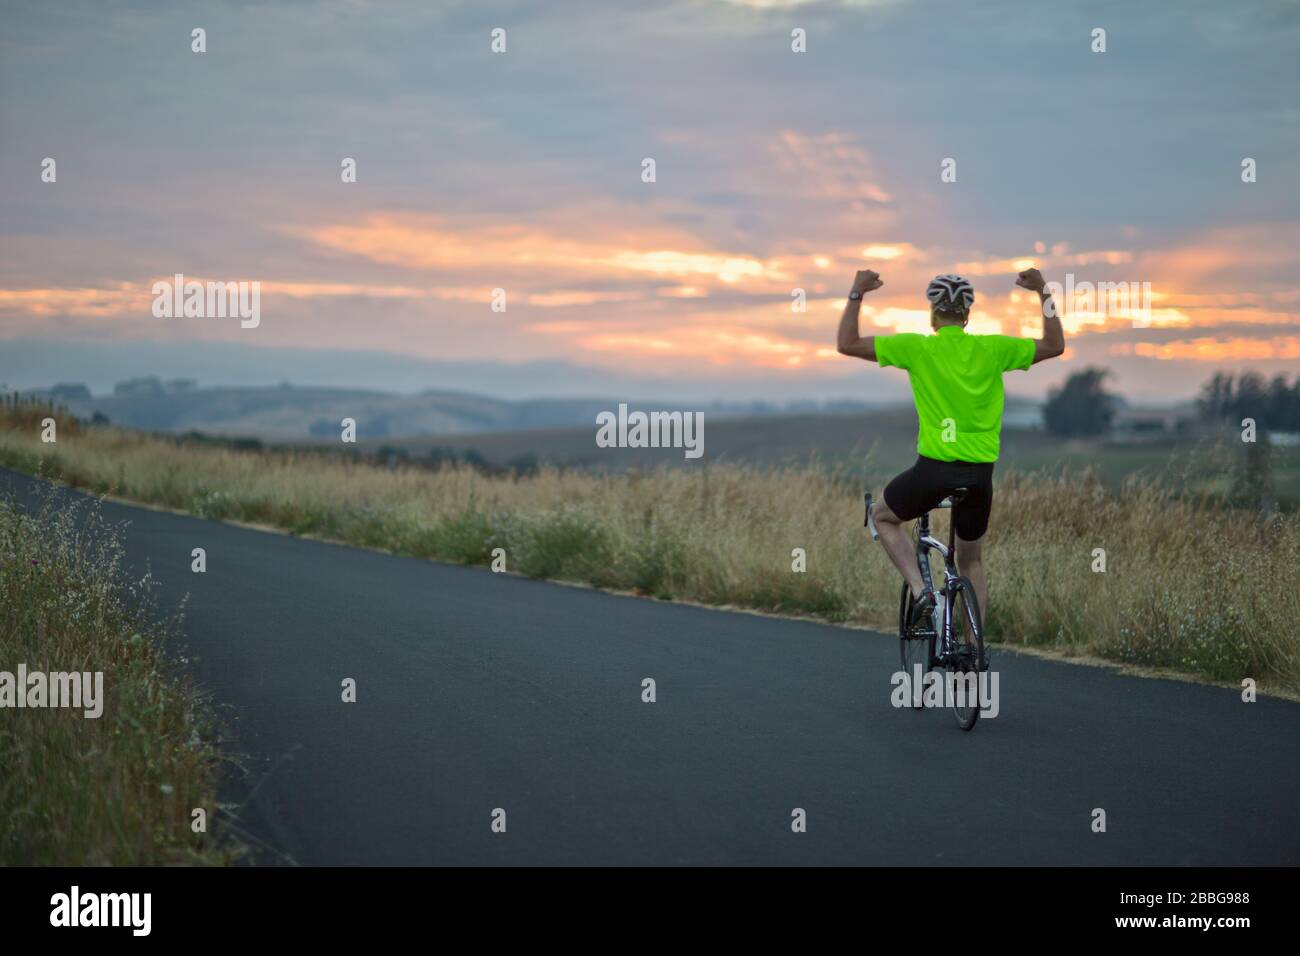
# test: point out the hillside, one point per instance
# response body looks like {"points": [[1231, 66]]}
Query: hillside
{"points": [[288, 413], [876, 444], [762, 440], [294, 414]]}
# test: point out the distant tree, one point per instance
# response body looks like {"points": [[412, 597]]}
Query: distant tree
{"points": [[1273, 405], [1215, 401], [1284, 404], [1081, 407], [70, 392], [1251, 399]]}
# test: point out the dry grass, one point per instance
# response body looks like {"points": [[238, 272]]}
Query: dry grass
{"points": [[1190, 584], [114, 789]]}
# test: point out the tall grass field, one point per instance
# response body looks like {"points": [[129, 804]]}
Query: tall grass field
{"points": [[1189, 584], [119, 788]]}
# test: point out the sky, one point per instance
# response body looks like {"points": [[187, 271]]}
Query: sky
{"points": [[523, 171]]}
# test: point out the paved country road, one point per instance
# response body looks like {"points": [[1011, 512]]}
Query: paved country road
{"points": [[480, 690]]}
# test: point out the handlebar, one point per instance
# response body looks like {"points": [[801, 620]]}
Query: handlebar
{"points": [[869, 522]]}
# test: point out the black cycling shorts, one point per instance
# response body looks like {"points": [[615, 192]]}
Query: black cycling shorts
{"points": [[929, 481]]}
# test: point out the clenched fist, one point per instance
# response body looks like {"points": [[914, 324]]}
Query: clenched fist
{"points": [[866, 281], [1032, 280]]}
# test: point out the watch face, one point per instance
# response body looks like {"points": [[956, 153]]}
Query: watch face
{"points": [[855, 294]]}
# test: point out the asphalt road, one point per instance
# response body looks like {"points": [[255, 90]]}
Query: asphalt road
{"points": [[478, 691]]}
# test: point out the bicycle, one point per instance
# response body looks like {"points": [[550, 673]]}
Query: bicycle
{"points": [[961, 655]]}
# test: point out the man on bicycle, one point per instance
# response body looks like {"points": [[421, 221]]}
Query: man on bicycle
{"points": [[956, 383]]}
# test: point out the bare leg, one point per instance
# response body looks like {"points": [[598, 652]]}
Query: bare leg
{"points": [[898, 545], [970, 562]]}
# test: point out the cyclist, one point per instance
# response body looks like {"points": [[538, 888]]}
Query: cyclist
{"points": [[956, 383]]}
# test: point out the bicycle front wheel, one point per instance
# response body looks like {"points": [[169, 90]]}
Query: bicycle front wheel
{"points": [[966, 686]]}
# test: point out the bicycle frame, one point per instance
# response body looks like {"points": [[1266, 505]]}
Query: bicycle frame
{"points": [[925, 543]]}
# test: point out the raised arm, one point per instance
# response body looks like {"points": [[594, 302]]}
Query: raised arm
{"points": [[1052, 343], [849, 342]]}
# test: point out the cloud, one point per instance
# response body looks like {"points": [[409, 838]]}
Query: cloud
{"points": [[1218, 351], [776, 170], [827, 166], [535, 253]]}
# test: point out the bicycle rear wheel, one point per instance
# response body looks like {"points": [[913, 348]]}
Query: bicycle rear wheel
{"points": [[966, 690], [915, 650]]}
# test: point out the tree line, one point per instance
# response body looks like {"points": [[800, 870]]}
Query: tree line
{"points": [[1083, 407], [1273, 404]]}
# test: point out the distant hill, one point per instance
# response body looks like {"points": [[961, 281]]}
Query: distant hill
{"points": [[288, 413], [291, 414], [833, 431], [876, 443], [762, 440]]}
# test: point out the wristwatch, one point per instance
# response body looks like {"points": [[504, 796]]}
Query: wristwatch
{"points": [[855, 295]]}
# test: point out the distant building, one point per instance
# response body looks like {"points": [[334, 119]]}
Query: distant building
{"points": [[149, 385], [1023, 416], [175, 385], [1134, 426]]}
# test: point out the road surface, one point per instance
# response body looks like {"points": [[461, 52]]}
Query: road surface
{"points": [[478, 691]]}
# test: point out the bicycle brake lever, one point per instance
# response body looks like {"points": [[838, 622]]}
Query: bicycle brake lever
{"points": [[869, 522]]}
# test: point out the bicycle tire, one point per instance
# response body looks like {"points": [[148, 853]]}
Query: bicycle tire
{"points": [[968, 664], [912, 650]]}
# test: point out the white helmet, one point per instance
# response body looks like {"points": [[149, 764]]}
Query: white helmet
{"points": [[950, 293]]}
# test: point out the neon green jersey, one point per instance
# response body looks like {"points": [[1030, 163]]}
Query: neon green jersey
{"points": [[957, 385]]}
